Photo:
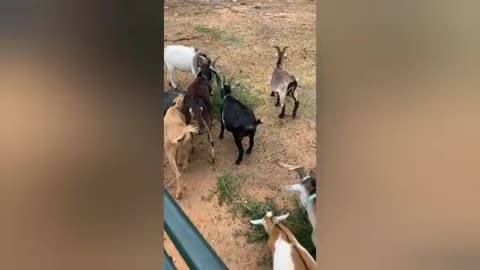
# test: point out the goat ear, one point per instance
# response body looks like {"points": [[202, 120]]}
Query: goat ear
{"points": [[257, 221], [280, 218], [258, 122], [201, 108], [300, 171], [293, 188]]}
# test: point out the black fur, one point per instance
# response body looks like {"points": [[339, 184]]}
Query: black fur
{"points": [[239, 120]]}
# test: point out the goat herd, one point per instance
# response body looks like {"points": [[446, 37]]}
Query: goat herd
{"points": [[183, 109]]}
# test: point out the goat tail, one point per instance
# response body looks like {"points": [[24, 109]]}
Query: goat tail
{"points": [[186, 130], [254, 126]]}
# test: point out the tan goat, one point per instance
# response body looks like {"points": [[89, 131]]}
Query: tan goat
{"points": [[177, 140], [287, 252]]}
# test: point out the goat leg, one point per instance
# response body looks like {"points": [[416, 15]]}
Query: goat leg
{"points": [[294, 114], [282, 114], [281, 97], [238, 142], [297, 102], [222, 129], [191, 146], [171, 158], [250, 147], [278, 101], [212, 148]]}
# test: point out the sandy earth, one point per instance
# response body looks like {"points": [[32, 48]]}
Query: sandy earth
{"points": [[259, 25]]}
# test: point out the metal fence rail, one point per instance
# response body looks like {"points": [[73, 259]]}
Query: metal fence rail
{"points": [[189, 242]]}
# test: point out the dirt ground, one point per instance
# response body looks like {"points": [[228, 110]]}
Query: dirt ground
{"points": [[247, 30]]}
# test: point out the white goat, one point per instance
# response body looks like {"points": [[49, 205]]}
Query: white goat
{"points": [[183, 58], [287, 252], [306, 190]]}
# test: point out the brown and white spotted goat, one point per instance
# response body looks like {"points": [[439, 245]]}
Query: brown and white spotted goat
{"points": [[177, 140], [287, 252], [306, 190]]}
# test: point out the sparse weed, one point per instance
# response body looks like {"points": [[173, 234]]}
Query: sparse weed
{"points": [[219, 35], [229, 193]]}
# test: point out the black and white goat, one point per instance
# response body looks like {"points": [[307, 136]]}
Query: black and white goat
{"points": [[238, 119], [183, 58], [283, 84]]}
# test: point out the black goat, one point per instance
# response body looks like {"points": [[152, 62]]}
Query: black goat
{"points": [[238, 119]]}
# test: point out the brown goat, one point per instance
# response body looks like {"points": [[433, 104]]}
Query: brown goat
{"points": [[287, 252], [177, 138], [198, 101]]}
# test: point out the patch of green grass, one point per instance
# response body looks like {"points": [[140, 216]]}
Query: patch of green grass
{"points": [[229, 192], [241, 90], [218, 35]]}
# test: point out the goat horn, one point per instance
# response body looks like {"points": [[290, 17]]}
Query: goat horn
{"points": [[299, 169], [278, 49], [285, 49], [215, 61]]}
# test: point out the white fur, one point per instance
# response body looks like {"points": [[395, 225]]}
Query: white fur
{"points": [[257, 221], [303, 195], [282, 258], [281, 218], [178, 57]]}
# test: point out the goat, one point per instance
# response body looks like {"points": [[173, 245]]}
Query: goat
{"points": [[283, 84], [307, 193], [197, 100], [168, 99], [237, 118], [287, 252], [183, 58], [177, 135]]}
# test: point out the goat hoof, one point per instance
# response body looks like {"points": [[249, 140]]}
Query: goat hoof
{"points": [[249, 151], [238, 162], [220, 137], [178, 195], [272, 94], [281, 116], [277, 104]]}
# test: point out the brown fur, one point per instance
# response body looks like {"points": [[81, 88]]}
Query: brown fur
{"points": [[302, 260], [177, 138]]}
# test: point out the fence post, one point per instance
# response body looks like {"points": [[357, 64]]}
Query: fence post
{"points": [[190, 243]]}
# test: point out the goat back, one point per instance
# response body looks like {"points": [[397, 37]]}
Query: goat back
{"points": [[235, 114]]}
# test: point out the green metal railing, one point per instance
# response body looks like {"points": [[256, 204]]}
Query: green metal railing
{"points": [[189, 242]]}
